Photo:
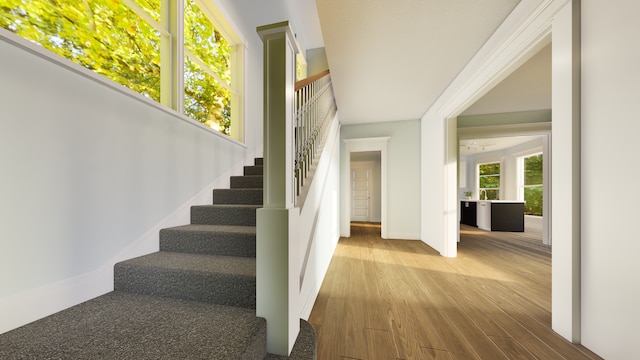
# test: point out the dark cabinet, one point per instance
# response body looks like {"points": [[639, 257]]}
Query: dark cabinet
{"points": [[507, 216], [469, 213]]}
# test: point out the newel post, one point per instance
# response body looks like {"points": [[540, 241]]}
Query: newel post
{"points": [[277, 281]]}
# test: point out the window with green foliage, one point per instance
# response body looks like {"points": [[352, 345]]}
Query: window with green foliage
{"points": [[102, 35], [533, 188], [489, 179], [207, 75], [122, 40]]}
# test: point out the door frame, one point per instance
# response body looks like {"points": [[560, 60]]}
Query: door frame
{"points": [[557, 22], [358, 145]]}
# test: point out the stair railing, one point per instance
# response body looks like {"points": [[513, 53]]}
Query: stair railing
{"points": [[314, 104]]}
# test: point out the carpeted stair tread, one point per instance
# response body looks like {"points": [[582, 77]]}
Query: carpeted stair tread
{"points": [[131, 326], [244, 215], [241, 266], [253, 170], [237, 229], [247, 182], [237, 196], [210, 239], [224, 280]]}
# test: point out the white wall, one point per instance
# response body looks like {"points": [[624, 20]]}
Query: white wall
{"points": [[316, 61], [403, 174], [610, 127]]}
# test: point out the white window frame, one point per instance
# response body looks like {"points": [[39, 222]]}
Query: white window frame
{"points": [[520, 175], [221, 21], [238, 47]]}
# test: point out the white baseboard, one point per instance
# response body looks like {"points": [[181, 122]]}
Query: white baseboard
{"points": [[305, 312], [20, 309]]}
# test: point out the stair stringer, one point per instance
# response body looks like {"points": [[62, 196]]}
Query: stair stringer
{"points": [[319, 221]]}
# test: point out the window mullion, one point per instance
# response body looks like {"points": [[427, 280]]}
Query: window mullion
{"points": [[146, 17], [172, 54], [205, 7], [208, 70], [237, 103]]}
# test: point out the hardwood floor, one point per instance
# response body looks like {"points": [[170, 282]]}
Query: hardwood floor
{"points": [[399, 299]]}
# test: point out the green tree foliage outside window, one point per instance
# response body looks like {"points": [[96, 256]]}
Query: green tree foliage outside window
{"points": [[102, 35], [107, 37], [207, 99], [489, 181], [533, 185]]}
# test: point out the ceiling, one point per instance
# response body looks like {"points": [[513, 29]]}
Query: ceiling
{"points": [[477, 146], [391, 60], [527, 88]]}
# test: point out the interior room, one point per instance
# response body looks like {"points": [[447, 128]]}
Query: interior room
{"points": [[504, 132]]}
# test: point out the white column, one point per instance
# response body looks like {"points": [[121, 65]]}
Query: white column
{"points": [[565, 167], [546, 189], [277, 233], [439, 184], [451, 197]]}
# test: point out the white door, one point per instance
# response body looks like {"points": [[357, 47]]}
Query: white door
{"points": [[361, 193]]}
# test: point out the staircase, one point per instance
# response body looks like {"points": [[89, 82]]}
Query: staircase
{"points": [[194, 299]]}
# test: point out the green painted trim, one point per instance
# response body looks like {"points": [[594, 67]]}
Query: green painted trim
{"points": [[276, 28], [281, 24], [510, 118]]}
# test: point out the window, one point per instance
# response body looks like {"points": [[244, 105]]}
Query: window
{"points": [[123, 41], [489, 179], [207, 75], [532, 188], [104, 36]]}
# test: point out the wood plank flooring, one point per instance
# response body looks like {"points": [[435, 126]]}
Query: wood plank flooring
{"points": [[399, 299]]}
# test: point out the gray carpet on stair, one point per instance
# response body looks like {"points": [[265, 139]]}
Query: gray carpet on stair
{"points": [[131, 326], [242, 215], [246, 182], [253, 170], [237, 196], [210, 239], [216, 279]]}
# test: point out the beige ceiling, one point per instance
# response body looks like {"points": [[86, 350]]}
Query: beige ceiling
{"points": [[477, 146], [391, 60], [527, 88]]}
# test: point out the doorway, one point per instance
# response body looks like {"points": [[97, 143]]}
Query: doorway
{"points": [[364, 150], [365, 184], [440, 124], [506, 147]]}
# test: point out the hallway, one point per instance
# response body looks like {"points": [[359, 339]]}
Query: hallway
{"points": [[399, 299]]}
